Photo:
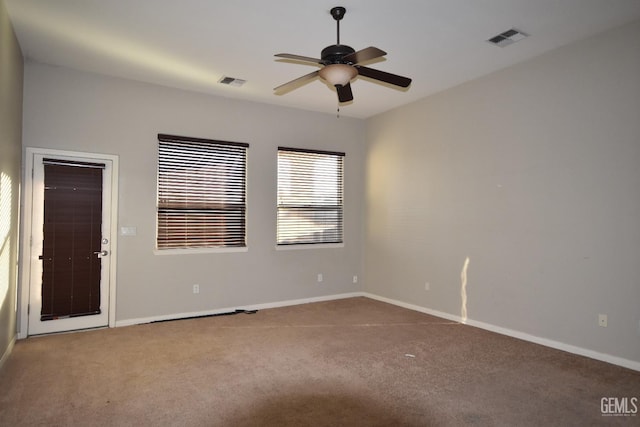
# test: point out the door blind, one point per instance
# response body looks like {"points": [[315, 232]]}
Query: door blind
{"points": [[201, 193], [310, 196], [72, 231]]}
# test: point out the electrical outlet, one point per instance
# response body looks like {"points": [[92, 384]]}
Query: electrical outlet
{"points": [[196, 289], [427, 286], [320, 278], [355, 279], [602, 320]]}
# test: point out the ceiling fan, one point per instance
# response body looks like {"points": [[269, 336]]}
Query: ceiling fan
{"points": [[340, 65]]}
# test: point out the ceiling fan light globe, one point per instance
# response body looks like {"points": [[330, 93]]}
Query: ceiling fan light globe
{"points": [[338, 74]]}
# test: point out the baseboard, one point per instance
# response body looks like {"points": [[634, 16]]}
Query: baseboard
{"points": [[603, 357], [264, 306], [7, 352], [413, 307]]}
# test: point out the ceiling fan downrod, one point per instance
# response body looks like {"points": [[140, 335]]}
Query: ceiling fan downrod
{"points": [[333, 54], [338, 13]]}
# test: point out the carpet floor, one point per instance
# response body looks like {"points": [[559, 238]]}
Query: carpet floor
{"points": [[351, 362]]}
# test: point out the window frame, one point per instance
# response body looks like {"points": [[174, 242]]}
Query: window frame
{"points": [[340, 190], [186, 249]]}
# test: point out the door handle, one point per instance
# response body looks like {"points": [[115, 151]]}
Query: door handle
{"points": [[101, 253]]}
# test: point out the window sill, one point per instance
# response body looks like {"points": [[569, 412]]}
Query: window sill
{"points": [[309, 246], [198, 251]]}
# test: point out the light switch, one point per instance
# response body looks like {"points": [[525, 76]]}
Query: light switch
{"points": [[128, 231]]}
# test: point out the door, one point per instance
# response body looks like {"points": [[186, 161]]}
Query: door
{"points": [[70, 244]]}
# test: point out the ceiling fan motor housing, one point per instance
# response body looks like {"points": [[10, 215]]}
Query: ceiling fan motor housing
{"points": [[333, 54]]}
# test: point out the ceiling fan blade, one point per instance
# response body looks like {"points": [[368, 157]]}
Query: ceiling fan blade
{"points": [[299, 58], [383, 76], [365, 54], [344, 93], [293, 84]]}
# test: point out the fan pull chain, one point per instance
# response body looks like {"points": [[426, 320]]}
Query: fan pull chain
{"points": [[338, 114]]}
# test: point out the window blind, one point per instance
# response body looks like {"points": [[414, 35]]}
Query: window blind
{"points": [[201, 193], [310, 196]]}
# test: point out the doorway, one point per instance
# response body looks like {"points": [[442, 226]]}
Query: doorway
{"points": [[70, 223]]}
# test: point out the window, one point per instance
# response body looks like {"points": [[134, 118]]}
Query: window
{"points": [[201, 193], [310, 201]]}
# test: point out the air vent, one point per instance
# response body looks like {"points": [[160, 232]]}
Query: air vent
{"points": [[508, 37], [232, 81]]}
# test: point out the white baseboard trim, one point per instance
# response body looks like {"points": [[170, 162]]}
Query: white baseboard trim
{"points": [[7, 352], [413, 307], [603, 357], [264, 306]]}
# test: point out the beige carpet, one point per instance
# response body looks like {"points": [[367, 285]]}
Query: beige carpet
{"points": [[349, 362]]}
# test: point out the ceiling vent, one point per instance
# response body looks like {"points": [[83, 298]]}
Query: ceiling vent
{"points": [[508, 37], [231, 81]]}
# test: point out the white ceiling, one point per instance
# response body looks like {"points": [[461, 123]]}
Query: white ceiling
{"points": [[191, 44]]}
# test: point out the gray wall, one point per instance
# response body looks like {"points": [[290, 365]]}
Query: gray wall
{"points": [[11, 67], [531, 172], [72, 110]]}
